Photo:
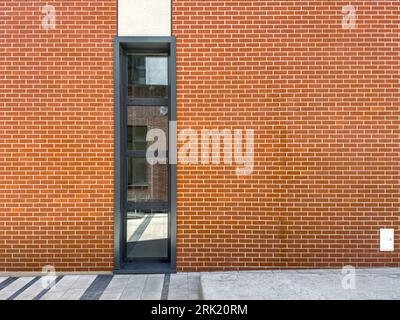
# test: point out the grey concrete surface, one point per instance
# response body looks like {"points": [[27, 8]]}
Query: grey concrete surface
{"points": [[326, 284]]}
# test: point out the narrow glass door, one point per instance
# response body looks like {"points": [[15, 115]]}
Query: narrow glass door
{"points": [[147, 174]]}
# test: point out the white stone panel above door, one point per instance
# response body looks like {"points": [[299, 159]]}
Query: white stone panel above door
{"points": [[144, 18]]}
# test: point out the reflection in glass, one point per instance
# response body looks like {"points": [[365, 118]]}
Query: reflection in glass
{"points": [[147, 234], [137, 138], [147, 76], [137, 172], [146, 182]]}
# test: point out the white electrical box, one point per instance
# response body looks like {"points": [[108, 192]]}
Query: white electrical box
{"points": [[387, 239]]}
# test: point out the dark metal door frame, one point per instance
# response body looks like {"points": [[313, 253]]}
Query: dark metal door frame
{"points": [[123, 46]]}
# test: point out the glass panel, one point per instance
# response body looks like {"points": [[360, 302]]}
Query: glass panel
{"points": [[147, 234], [147, 76], [146, 182], [137, 138], [137, 172]]}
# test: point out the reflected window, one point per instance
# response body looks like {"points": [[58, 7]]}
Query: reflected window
{"points": [[145, 182], [147, 77], [137, 172], [137, 138]]}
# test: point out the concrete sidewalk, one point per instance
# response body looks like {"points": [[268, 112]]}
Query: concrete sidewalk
{"points": [[243, 285], [314, 284]]}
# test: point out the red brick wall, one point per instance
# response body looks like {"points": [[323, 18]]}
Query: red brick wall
{"points": [[56, 136], [324, 103]]}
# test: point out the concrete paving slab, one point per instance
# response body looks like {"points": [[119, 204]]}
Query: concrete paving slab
{"points": [[194, 286], [137, 281], [179, 281], [178, 294], [134, 287], [13, 287], [153, 287], [134, 293], [115, 288], [78, 288], [326, 284], [59, 290], [32, 291]]}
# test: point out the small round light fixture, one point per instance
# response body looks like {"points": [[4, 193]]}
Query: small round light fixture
{"points": [[163, 111]]}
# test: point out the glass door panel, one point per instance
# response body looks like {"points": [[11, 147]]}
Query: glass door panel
{"points": [[147, 182], [147, 234], [147, 77]]}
